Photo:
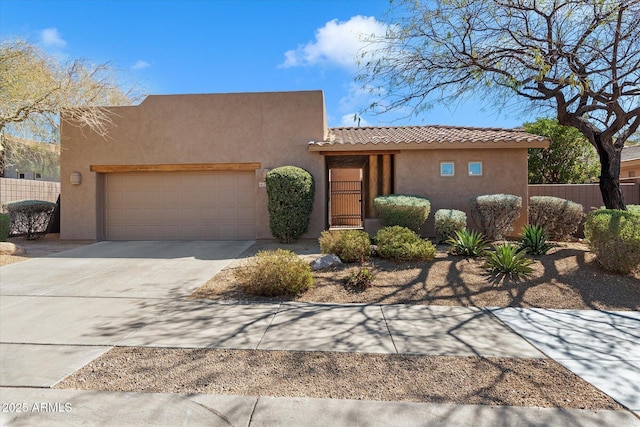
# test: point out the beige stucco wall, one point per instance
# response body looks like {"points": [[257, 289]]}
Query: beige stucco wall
{"points": [[271, 128], [630, 169], [504, 171]]}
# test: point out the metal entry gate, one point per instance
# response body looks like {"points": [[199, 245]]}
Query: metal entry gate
{"points": [[345, 204]]}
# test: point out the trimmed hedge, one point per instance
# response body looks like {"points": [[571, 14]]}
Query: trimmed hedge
{"points": [[5, 226], [614, 237], [448, 221], [494, 214], [402, 210], [29, 218], [290, 191], [348, 245], [402, 244], [560, 218]]}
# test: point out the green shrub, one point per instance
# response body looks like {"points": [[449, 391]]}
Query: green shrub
{"points": [[29, 218], [534, 240], [448, 221], [5, 226], [402, 210], [290, 192], [275, 273], [494, 214], [359, 280], [348, 245], [403, 244], [468, 243], [507, 259], [559, 217], [614, 237], [634, 209]]}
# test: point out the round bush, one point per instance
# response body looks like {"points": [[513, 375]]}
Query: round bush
{"points": [[403, 210], [614, 237], [448, 221], [494, 214], [348, 245], [560, 218], [403, 244], [30, 218], [275, 273], [290, 192]]}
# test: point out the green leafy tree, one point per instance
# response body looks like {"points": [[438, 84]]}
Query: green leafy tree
{"points": [[577, 59], [35, 87], [570, 159]]}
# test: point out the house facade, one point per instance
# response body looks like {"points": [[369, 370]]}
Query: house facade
{"points": [[630, 162], [183, 167]]}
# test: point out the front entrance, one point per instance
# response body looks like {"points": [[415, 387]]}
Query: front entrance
{"points": [[354, 181], [345, 198]]}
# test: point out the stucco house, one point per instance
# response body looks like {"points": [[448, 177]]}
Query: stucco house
{"points": [[630, 162], [193, 167]]}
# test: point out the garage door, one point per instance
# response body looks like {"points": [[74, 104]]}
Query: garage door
{"points": [[180, 206]]}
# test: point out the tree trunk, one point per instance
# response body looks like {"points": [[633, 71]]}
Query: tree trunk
{"points": [[610, 174]]}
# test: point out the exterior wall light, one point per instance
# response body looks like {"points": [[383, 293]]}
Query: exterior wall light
{"points": [[75, 178]]}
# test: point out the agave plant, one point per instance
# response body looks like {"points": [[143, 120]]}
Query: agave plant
{"points": [[509, 260], [534, 240], [468, 243]]}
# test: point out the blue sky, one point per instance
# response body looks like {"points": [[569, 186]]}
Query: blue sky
{"points": [[222, 46]]}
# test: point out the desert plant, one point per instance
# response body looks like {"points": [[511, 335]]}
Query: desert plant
{"points": [[5, 226], [290, 192], [468, 243], [403, 244], [559, 217], [614, 237], [507, 259], [275, 273], [494, 214], [403, 210], [359, 280], [448, 221], [348, 245], [534, 240], [29, 218]]}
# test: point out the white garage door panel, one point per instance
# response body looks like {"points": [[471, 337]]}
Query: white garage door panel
{"points": [[180, 205]]}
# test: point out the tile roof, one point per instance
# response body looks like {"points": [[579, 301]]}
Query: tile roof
{"points": [[424, 135], [630, 153]]}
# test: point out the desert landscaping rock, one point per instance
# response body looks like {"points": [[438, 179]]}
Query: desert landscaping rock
{"points": [[8, 248], [325, 262]]}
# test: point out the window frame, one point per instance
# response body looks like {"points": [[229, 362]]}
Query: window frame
{"points": [[453, 169], [469, 172]]}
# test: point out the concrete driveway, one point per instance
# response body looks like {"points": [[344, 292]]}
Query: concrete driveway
{"points": [[122, 269]]}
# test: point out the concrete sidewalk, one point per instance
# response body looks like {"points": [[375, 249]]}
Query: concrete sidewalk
{"points": [[91, 299]]}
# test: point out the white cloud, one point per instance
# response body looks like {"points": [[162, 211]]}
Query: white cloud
{"points": [[50, 37], [140, 64], [337, 43]]}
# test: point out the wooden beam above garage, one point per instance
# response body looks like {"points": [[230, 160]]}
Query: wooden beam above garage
{"points": [[183, 167]]}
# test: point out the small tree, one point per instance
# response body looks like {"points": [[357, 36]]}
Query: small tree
{"points": [[290, 190], [570, 159]]}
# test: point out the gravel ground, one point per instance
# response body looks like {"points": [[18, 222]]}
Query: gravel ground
{"points": [[439, 379], [568, 277]]}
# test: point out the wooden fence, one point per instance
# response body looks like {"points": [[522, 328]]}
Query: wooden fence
{"points": [[588, 195]]}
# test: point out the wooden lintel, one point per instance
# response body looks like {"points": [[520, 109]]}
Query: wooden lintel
{"points": [[183, 167], [358, 153]]}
